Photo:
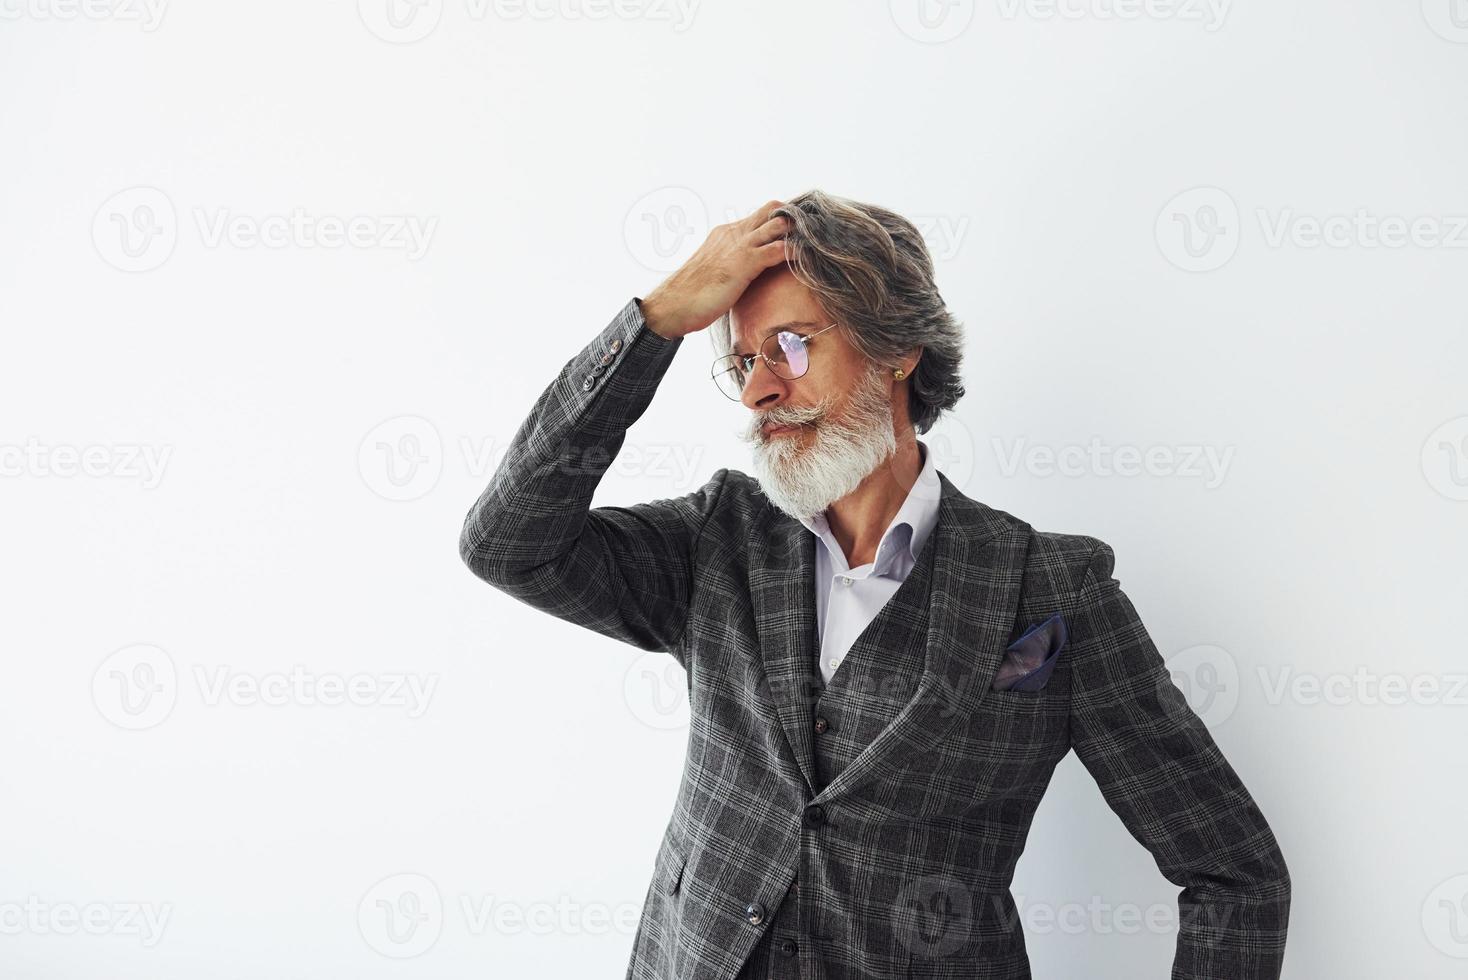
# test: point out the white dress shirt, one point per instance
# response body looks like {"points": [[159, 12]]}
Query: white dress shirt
{"points": [[847, 599]]}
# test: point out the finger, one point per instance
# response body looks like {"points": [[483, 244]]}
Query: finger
{"points": [[771, 254], [772, 229], [762, 213]]}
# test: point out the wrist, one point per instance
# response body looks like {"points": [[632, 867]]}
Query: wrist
{"points": [[652, 316]]}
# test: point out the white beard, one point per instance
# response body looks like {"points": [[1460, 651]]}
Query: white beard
{"points": [[802, 475]]}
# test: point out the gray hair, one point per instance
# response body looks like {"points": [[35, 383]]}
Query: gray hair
{"points": [[871, 271]]}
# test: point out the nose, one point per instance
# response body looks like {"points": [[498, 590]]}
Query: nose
{"points": [[764, 389]]}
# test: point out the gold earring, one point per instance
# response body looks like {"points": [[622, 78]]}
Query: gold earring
{"points": [[899, 374]]}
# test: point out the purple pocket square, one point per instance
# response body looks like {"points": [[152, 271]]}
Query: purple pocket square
{"points": [[1029, 660]]}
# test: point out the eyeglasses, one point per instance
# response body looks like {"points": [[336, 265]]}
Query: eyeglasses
{"points": [[783, 351]]}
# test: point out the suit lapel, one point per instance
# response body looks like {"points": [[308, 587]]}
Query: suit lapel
{"points": [[782, 590], [977, 570]]}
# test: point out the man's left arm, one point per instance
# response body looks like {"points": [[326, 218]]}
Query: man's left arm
{"points": [[1161, 772]]}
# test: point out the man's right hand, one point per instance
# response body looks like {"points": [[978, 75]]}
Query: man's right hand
{"points": [[714, 277]]}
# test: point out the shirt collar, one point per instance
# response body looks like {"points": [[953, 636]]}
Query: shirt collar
{"points": [[918, 515]]}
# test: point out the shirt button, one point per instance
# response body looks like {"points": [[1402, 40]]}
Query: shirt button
{"points": [[832, 664], [845, 580], [755, 913]]}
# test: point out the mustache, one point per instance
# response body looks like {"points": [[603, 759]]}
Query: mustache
{"points": [[791, 416]]}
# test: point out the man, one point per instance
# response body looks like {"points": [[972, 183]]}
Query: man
{"points": [[883, 672]]}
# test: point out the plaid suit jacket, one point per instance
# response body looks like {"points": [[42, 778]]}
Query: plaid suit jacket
{"points": [[941, 800]]}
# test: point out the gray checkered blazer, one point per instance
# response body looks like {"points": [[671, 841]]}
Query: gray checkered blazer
{"points": [[924, 817]]}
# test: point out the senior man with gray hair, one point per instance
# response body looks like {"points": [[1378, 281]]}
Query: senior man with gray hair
{"points": [[883, 672]]}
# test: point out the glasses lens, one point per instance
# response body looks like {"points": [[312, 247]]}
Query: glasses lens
{"points": [[729, 376], [786, 351]]}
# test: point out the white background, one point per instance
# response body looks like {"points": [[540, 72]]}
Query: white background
{"points": [[320, 416]]}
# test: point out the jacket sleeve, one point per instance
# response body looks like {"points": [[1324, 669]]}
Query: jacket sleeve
{"points": [[623, 572], [1161, 772]]}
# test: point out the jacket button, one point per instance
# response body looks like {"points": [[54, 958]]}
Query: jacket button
{"points": [[754, 912], [607, 358], [815, 815], [589, 383], [788, 947], [821, 726], [616, 344]]}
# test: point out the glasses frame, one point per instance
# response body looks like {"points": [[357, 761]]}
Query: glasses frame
{"points": [[746, 361]]}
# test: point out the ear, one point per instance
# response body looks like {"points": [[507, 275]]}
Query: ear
{"points": [[915, 355]]}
